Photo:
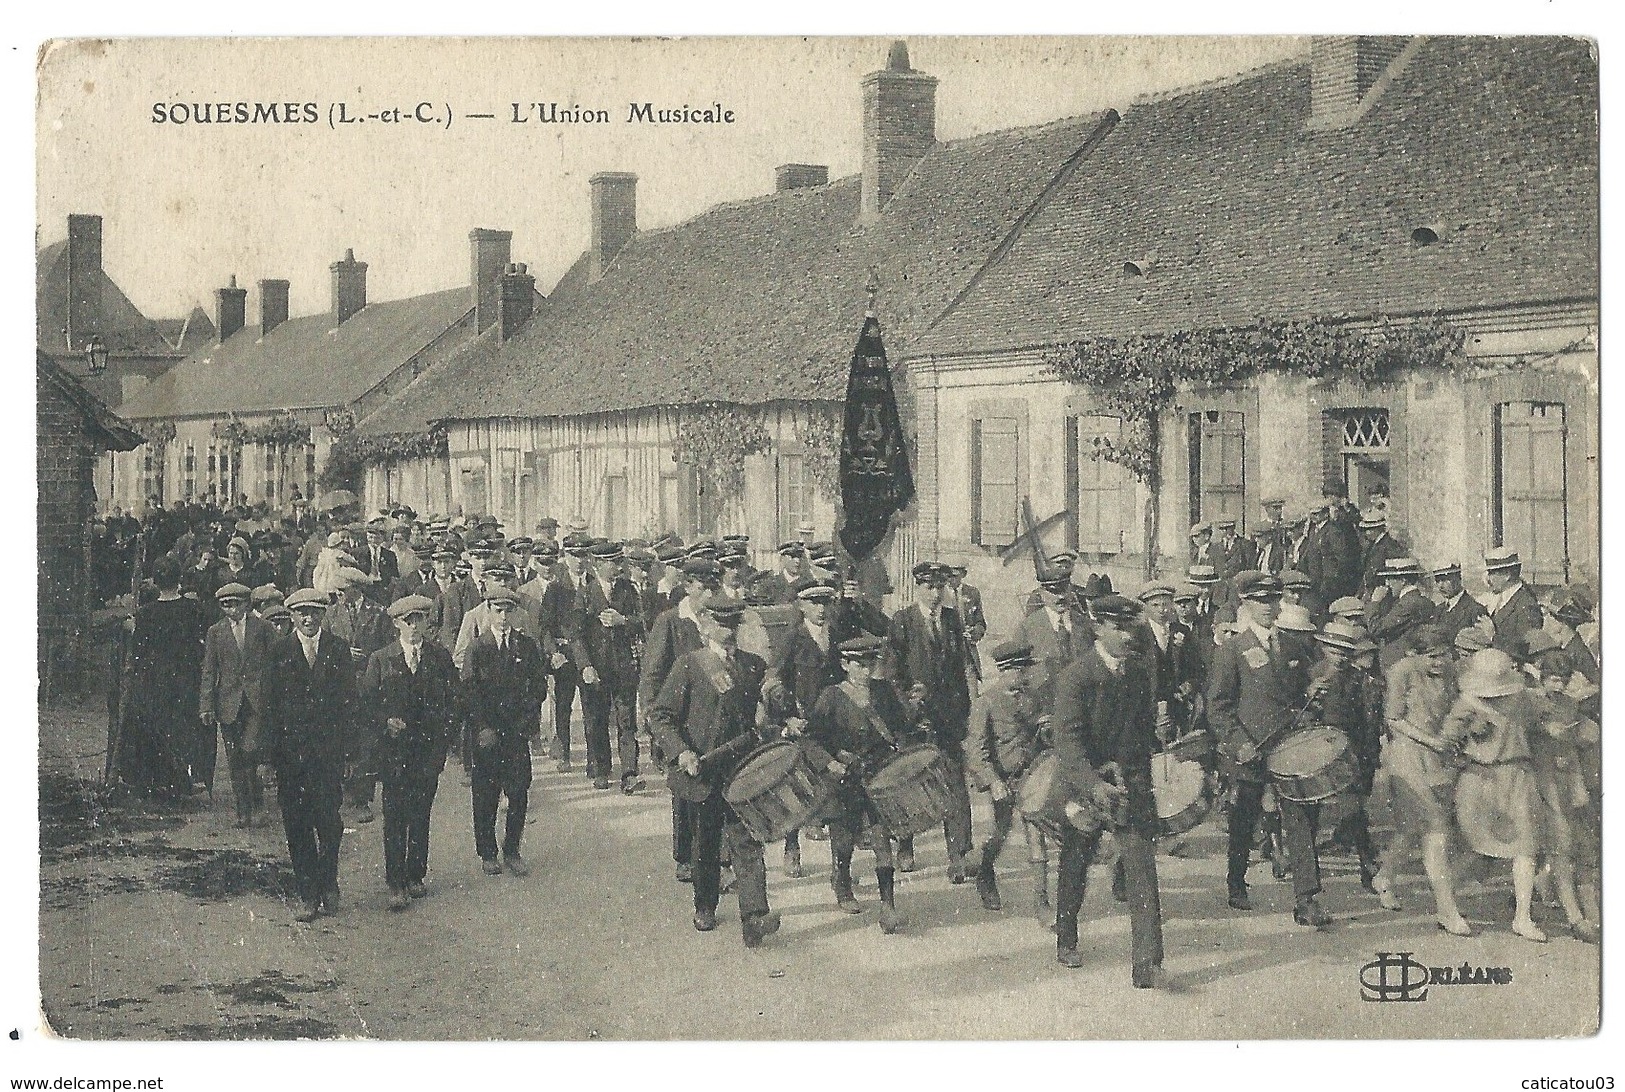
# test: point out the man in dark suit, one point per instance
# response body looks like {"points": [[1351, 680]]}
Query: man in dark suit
{"points": [[926, 662], [705, 715], [1457, 609], [572, 664], [639, 561], [781, 585], [1170, 650], [310, 703], [363, 625], [1232, 553], [612, 617], [967, 600], [1254, 695], [1398, 609], [1331, 554], [379, 562], [674, 633], [504, 681], [1512, 607], [1380, 547], [1105, 729], [236, 655], [1058, 632], [409, 693], [1270, 539]]}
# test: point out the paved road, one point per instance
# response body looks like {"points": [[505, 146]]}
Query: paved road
{"points": [[596, 943]]}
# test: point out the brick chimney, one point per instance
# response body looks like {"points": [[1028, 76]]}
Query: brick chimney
{"points": [[899, 127], [518, 299], [273, 305], [799, 176], [1343, 70], [614, 217], [489, 253], [349, 286], [84, 277], [230, 309]]}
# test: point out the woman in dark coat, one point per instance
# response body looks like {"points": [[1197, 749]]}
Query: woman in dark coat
{"points": [[161, 710]]}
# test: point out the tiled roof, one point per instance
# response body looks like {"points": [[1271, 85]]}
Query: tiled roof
{"points": [[107, 428], [1244, 213], [761, 300], [303, 363], [124, 329], [189, 334]]}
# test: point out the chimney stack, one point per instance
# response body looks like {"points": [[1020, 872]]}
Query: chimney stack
{"points": [[1342, 71], [614, 217], [273, 305], [799, 176], [899, 128], [230, 309], [518, 299], [349, 286], [84, 277], [489, 254]]}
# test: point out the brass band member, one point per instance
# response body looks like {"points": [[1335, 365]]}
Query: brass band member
{"points": [[1006, 729]]}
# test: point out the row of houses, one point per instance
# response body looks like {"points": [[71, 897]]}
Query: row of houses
{"points": [[689, 377]]}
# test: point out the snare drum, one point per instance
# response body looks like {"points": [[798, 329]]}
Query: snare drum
{"points": [[779, 787], [1180, 788], [911, 792], [1042, 798], [1311, 765]]}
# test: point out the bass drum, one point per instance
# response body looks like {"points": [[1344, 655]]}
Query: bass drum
{"points": [[910, 793], [1180, 788], [1312, 765], [1042, 799]]}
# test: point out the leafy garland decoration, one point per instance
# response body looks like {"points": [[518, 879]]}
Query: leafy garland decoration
{"points": [[716, 438], [349, 456], [157, 432], [281, 430], [1138, 378], [820, 435]]}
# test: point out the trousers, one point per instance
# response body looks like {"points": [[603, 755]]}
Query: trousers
{"points": [[1137, 846], [682, 830], [565, 681], [1298, 823], [714, 823], [1004, 816], [246, 791], [407, 804], [498, 771], [956, 829], [310, 817], [601, 706]]}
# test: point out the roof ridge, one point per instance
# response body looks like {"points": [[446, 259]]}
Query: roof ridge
{"points": [[1233, 79]]}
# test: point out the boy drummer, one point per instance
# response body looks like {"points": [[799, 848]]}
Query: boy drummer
{"points": [[1005, 735]]}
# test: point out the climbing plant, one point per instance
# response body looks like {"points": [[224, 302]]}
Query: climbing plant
{"points": [[280, 430], [716, 438], [349, 456], [820, 435]]}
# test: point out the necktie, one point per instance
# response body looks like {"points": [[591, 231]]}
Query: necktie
{"points": [[1063, 634], [310, 652], [502, 641], [412, 659]]}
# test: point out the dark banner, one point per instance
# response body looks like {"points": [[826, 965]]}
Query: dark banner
{"points": [[875, 478]]}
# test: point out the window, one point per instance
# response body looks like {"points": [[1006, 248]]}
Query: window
{"points": [[616, 503], [308, 489], [472, 472], [508, 486], [796, 491], [189, 471], [994, 456], [1530, 497], [152, 471], [671, 504], [1357, 452], [1100, 492], [1217, 462], [273, 473]]}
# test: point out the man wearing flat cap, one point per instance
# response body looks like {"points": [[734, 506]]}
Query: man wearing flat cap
{"points": [[926, 661], [780, 584], [379, 562], [1232, 553], [705, 717], [1270, 539], [1104, 729], [675, 633], [236, 656], [310, 704], [504, 680], [363, 625], [1255, 692], [408, 692]]}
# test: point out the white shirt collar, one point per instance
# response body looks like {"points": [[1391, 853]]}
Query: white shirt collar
{"points": [[1113, 664], [685, 609], [408, 647]]}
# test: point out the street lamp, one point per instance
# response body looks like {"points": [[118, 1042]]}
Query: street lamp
{"points": [[96, 354]]}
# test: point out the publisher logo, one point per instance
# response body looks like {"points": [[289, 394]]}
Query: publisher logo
{"points": [[1398, 976]]}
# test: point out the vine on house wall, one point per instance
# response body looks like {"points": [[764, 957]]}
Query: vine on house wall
{"points": [[349, 456], [716, 439], [282, 430], [1137, 378], [158, 432], [820, 436]]}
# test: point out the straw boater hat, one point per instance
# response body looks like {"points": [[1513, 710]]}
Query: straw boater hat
{"points": [[1496, 560], [1201, 529], [1202, 574], [1491, 674], [1402, 567], [1371, 519], [1449, 568]]}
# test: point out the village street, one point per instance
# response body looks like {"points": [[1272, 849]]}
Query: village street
{"points": [[165, 928]]}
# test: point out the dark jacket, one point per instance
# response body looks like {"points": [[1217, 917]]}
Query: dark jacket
{"points": [[914, 656], [450, 604], [564, 616], [1253, 695], [384, 574], [1391, 622], [704, 704], [1515, 618], [800, 671], [1104, 716], [503, 689], [1331, 559], [425, 700], [613, 649], [1374, 557], [669, 638], [1457, 617], [310, 711]]}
